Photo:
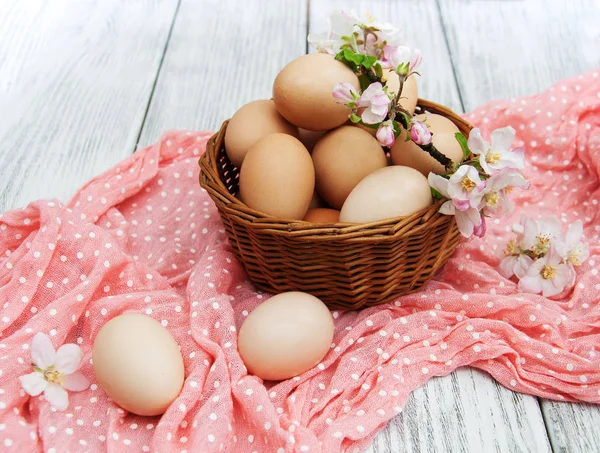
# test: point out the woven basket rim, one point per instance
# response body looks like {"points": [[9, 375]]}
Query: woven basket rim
{"points": [[386, 228]]}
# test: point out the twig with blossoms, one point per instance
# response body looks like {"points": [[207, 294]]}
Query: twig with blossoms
{"points": [[368, 47], [479, 186], [542, 257]]}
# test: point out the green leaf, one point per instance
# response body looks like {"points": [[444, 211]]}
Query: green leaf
{"points": [[378, 70], [354, 118], [364, 81], [357, 58], [436, 194], [370, 126], [462, 140], [369, 61], [397, 129]]}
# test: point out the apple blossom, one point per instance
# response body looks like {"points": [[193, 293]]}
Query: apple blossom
{"points": [[419, 133], [385, 134], [547, 275], [570, 247], [54, 371], [376, 104], [496, 156]]}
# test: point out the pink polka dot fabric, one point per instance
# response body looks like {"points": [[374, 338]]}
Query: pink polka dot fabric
{"points": [[144, 237]]}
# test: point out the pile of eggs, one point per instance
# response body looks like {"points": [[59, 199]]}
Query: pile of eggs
{"points": [[300, 158]]}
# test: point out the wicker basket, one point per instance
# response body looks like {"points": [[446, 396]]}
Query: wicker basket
{"points": [[347, 266]]}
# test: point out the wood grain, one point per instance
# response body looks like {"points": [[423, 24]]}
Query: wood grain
{"points": [[75, 78], [555, 40], [504, 49], [220, 56]]}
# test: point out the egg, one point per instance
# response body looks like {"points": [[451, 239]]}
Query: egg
{"points": [[322, 215], [277, 177], [410, 155], [251, 123], [410, 92], [389, 192], [342, 158], [302, 91], [138, 364], [285, 336]]}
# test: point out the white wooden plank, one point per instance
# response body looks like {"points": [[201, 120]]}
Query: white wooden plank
{"points": [[555, 40], [222, 55], [75, 79], [466, 411], [504, 49], [572, 428]]}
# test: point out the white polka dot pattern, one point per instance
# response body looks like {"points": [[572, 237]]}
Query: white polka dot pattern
{"points": [[144, 237]]}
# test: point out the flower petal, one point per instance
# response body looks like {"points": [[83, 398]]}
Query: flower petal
{"points": [[42, 351], [68, 358], [33, 383], [438, 183], [476, 143], [574, 233], [522, 265], [76, 382], [507, 265], [447, 208], [57, 396], [502, 139], [531, 284]]}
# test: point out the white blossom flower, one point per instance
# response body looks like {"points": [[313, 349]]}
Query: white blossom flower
{"points": [[497, 187], [54, 372], [570, 247], [469, 220], [515, 262], [547, 276], [402, 59], [496, 156], [376, 104], [537, 235]]}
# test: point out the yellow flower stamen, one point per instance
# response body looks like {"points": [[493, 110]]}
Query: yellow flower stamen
{"points": [[573, 256], [468, 184], [491, 199], [511, 248], [542, 245], [508, 189], [492, 158], [53, 376], [370, 18], [548, 272]]}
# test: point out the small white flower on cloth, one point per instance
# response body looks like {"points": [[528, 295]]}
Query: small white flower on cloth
{"points": [[55, 371]]}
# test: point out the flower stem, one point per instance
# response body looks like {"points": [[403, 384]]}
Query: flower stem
{"points": [[401, 79], [437, 155]]}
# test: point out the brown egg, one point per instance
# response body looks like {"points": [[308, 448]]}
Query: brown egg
{"points": [[138, 364], [285, 336], [309, 138], [388, 192], [322, 215], [342, 158], [410, 93], [302, 92], [410, 155], [277, 177], [251, 123], [438, 122]]}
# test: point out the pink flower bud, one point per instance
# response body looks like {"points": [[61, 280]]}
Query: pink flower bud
{"points": [[420, 134], [344, 93], [385, 134]]}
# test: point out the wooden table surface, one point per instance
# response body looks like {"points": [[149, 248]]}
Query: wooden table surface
{"points": [[84, 83]]}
